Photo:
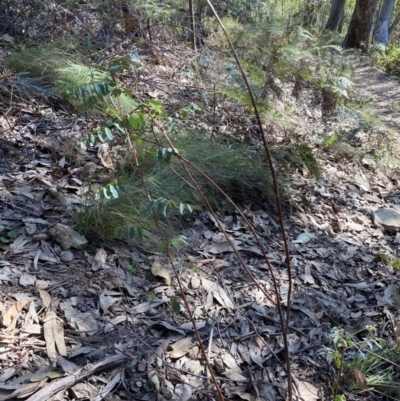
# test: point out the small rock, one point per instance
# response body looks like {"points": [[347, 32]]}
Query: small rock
{"points": [[66, 256], [39, 237], [362, 184], [370, 163], [152, 312], [67, 237], [195, 282], [7, 38], [27, 279], [386, 218], [41, 284], [372, 198]]}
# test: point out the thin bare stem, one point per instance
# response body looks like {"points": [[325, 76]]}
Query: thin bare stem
{"points": [[278, 202], [171, 259]]}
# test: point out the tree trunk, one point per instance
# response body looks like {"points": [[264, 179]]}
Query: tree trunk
{"points": [[394, 25], [360, 25], [336, 15], [192, 25], [382, 25]]}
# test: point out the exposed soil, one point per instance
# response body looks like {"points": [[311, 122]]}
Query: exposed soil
{"points": [[381, 90]]}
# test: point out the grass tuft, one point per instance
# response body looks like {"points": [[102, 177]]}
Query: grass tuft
{"points": [[64, 72], [239, 171]]}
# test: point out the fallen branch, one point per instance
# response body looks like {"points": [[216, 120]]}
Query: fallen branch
{"points": [[82, 374]]}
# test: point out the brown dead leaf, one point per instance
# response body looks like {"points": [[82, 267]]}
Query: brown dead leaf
{"points": [[255, 353], [7, 374], [244, 353], [159, 271], [11, 316], [183, 392], [230, 362], [104, 155], [223, 246], [113, 322], [99, 260], [307, 391], [235, 376], [181, 347], [25, 390], [154, 380], [106, 300], [307, 277], [246, 396], [360, 379], [54, 336], [218, 263], [27, 279], [232, 391], [20, 244], [67, 366], [218, 293], [46, 298]]}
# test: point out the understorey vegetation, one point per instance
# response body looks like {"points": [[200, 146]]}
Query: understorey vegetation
{"points": [[239, 128]]}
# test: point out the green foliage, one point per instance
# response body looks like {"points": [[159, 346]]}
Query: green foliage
{"points": [[238, 170], [340, 397], [21, 84], [273, 56], [237, 33], [175, 305], [237, 89], [253, 42], [176, 243], [331, 140], [393, 261], [11, 235], [66, 75], [387, 58], [371, 356], [40, 61], [301, 155]]}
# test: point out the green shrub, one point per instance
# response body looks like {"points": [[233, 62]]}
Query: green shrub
{"points": [[387, 58], [238, 170], [65, 72]]}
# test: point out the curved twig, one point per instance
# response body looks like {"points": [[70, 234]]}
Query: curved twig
{"points": [[278, 202]]}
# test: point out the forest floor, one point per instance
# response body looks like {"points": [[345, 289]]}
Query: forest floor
{"points": [[382, 90], [112, 333]]}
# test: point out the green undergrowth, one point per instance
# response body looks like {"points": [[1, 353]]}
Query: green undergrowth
{"points": [[387, 58], [364, 361], [65, 71], [392, 261], [301, 155], [367, 136], [238, 170]]}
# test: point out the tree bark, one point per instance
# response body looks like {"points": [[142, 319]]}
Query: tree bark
{"points": [[382, 25], [360, 25], [394, 25], [335, 16], [192, 25]]}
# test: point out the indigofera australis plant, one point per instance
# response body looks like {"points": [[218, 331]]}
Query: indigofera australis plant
{"points": [[188, 167], [136, 122]]}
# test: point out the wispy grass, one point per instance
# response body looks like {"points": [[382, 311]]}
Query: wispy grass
{"points": [[240, 171]]}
